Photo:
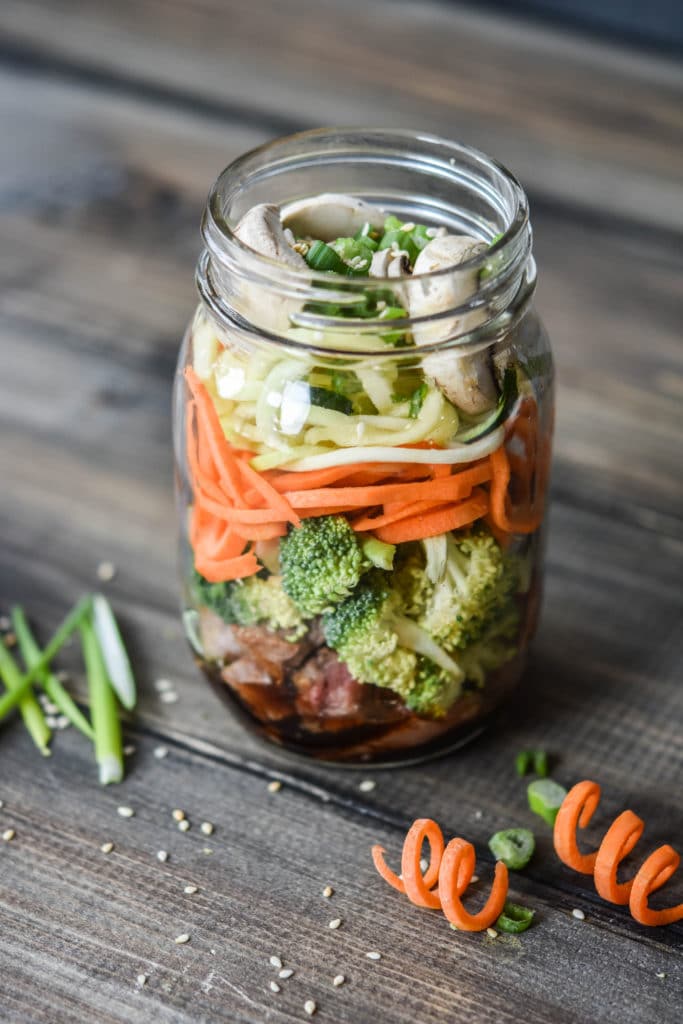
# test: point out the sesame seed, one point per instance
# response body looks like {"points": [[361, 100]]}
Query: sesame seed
{"points": [[408, 227], [424, 864], [107, 847], [160, 752], [285, 973], [141, 979], [275, 786], [207, 850], [276, 962], [106, 571], [162, 685], [49, 708], [660, 974], [162, 855], [328, 891], [126, 812], [310, 1007], [177, 814], [492, 933], [51, 721], [367, 785], [374, 956], [180, 940], [478, 815], [274, 987], [5, 622], [578, 914], [191, 889], [129, 750], [62, 722], [431, 232], [338, 980], [170, 697], [8, 835], [336, 923], [207, 828], [473, 879], [184, 825]]}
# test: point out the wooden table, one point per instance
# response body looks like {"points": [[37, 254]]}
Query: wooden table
{"points": [[115, 120]]}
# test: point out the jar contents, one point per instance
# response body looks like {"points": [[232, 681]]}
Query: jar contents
{"points": [[363, 531]]}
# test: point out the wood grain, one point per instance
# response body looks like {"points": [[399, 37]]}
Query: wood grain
{"points": [[100, 198]]}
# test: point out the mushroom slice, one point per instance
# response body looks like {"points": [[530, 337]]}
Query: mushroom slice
{"points": [[261, 229], [389, 263], [329, 216], [466, 380]]}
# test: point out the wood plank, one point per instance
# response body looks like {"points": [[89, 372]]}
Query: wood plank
{"points": [[92, 927], [506, 86]]}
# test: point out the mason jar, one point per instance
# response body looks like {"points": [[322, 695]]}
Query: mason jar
{"points": [[363, 421]]}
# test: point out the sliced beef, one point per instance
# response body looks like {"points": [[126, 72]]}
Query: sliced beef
{"points": [[325, 688]]}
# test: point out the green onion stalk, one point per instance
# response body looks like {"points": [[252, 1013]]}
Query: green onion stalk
{"points": [[29, 708], [105, 717]]}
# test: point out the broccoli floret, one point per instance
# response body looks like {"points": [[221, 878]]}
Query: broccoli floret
{"points": [[378, 643], [476, 587], [321, 562], [435, 690], [496, 646], [253, 601]]}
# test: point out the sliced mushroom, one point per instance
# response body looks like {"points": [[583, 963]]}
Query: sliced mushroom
{"points": [[329, 216], [389, 263], [262, 230], [467, 380]]}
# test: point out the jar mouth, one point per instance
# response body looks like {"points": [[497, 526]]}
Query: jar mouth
{"points": [[424, 177]]}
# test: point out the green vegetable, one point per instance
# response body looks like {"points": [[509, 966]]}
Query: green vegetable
{"points": [[475, 593], [380, 554], [328, 399], [407, 236], [30, 652], [514, 846], [105, 718], [417, 399], [116, 661], [540, 761], [253, 601], [321, 256], [380, 645], [33, 717], [528, 760], [545, 798], [514, 919], [523, 762], [321, 561], [394, 313], [508, 397], [68, 626]]}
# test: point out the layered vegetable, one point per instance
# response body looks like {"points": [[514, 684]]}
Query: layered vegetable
{"points": [[375, 503]]}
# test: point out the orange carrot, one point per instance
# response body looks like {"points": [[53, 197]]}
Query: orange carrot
{"points": [[654, 873], [275, 500], [524, 522], [440, 520], [457, 868], [219, 570], [223, 458], [578, 807], [372, 520], [384, 870], [416, 888], [620, 838]]}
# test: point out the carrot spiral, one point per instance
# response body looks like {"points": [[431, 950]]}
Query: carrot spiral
{"points": [[620, 839], [452, 868]]}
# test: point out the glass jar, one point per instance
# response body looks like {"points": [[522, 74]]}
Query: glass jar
{"points": [[362, 462]]}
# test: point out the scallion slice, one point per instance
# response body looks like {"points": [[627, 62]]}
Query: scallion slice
{"points": [[545, 798], [113, 651], [29, 708], [105, 716], [321, 256], [514, 919], [514, 846]]}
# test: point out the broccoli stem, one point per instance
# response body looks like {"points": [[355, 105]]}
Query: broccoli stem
{"points": [[416, 639]]}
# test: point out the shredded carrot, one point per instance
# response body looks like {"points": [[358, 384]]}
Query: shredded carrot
{"points": [[384, 870], [416, 888], [578, 807], [440, 520], [276, 502], [457, 868], [620, 838], [218, 570], [654, 873]]}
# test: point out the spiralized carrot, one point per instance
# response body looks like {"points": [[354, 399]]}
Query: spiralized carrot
{"points": [[441, 520], [452, 869], [622, 836], [652, 875], [457, 868], [578, 807]]}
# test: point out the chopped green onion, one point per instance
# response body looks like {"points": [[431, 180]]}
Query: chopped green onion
{"points": [[30, 652], [523, 762], [545, 798], [367, 232], [105, 717], [514, 919], [321, 256], [68, 626], [33, 717], [393, 313], [514, 846], [114, 653], [417, 399], [540, 759]]}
